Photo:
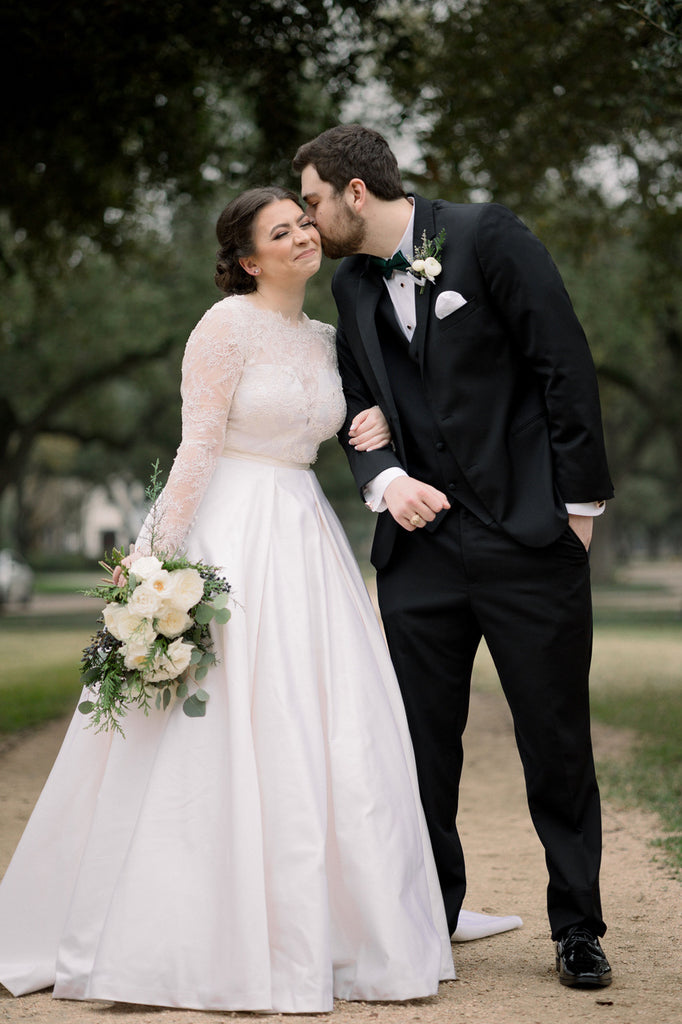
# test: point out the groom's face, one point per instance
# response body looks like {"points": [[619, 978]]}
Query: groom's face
{"points": [[341, 229]]}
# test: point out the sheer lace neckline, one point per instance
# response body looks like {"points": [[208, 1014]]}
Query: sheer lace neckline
{"points": [[243, 301]]}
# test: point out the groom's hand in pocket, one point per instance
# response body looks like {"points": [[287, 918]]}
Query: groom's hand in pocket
{"points": [[406, 498], [582, 526]]}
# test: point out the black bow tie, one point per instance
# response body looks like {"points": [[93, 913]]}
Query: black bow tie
{"points": [[396, 262]]}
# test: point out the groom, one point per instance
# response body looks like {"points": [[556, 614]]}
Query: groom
{"points": [[487, 496]]}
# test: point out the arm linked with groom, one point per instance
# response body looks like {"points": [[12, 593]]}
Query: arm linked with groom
{"points": [[486, 500]]}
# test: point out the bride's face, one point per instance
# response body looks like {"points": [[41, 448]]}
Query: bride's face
{"points": [[286, 243]]}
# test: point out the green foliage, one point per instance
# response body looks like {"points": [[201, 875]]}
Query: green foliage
{"points": [[511, 99], [125, 106], [663, 18]]}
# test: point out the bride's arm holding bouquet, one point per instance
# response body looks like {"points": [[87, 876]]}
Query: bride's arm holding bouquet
{"points": [[155, 638]]}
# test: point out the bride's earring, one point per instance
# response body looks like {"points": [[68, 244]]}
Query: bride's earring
{"points": [[249, 268]]}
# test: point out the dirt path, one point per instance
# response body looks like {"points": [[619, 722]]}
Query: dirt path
{"points": [[507, 979]]}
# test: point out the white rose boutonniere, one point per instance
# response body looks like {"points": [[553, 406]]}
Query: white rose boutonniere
{"points": [[426, 265]]}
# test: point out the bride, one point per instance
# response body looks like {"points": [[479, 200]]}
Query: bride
{"points": [[272, 855]]}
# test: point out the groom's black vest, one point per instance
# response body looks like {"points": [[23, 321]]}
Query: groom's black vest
{"points": [[427, 455]]}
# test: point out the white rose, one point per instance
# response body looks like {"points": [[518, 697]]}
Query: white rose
{"points": [[122, 623], [113, 615], [160, 582], [173, 663], [136, 653], [180, 653], [146, 599], [172, 621], [185, 588], [160, 671], [418, 266], [143, 568], [432, 268]]}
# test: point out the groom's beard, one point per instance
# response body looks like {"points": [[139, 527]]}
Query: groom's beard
{"points": [[349, 235]]}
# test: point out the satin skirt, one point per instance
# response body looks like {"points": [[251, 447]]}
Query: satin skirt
{"points": [[270, 856]]}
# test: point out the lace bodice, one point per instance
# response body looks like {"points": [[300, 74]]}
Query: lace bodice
{"points": [[253, 383]]}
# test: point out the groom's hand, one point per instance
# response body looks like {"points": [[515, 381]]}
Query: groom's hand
{"points": [[582, 526], [407, 499]]}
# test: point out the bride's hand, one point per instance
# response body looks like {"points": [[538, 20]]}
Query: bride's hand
{"points": [[369, 430], [117, 576]]}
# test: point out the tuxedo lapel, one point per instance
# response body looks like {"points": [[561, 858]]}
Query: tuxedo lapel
{"points": [[369, 292], [423, 222]]}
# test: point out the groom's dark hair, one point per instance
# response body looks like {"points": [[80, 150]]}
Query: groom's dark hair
{"points": [[351, 151]]}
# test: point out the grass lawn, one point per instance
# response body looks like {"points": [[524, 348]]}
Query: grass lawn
{"points": [[40, 667]]}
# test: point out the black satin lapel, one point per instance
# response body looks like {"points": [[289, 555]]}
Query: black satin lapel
{"points": [[369, 293], [423, 222]]}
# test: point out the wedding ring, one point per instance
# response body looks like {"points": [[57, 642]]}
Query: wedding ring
{"points": [[416, 519]]}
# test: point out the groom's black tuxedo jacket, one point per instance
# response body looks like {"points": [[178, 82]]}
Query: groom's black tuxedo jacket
{"points": [[508, 376]]}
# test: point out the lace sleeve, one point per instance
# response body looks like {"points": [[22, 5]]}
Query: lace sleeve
{"points": [[211, 368]]}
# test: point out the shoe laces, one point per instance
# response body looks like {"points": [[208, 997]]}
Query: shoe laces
{"points": [[577, 934]]}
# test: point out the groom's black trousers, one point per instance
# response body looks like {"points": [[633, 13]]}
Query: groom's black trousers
{"points": [[440, 592]]}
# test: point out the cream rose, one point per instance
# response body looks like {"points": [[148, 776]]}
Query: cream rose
{"points": [[114, 616], [172, 621], [136, 653], [185, 588], [143, 568], [147, 600], [123, 624], [173, 663]]}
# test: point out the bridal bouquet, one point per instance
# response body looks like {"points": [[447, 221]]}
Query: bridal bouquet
{"points": [[155, 637]]}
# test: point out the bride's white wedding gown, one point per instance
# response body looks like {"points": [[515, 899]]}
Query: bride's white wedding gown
{"points": [[272, 855]]}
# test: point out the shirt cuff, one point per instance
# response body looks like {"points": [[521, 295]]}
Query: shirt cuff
{"points": [[373, 492], [585, 508]]}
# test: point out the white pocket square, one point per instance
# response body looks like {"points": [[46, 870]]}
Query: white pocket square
{"points": [[448, 302]]}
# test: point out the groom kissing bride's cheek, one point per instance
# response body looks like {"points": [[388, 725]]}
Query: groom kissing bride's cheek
{"points": [[286, 835]]}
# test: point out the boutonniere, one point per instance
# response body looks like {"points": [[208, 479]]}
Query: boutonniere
{"points": [[426, 265]]}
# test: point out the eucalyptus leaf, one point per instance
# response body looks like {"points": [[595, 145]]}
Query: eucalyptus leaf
{"points": [[201, 695], [194, 708], [222, 615], [158, 699], [195, 657], [182, 690], [86, 706], [220, 600], [166, 698], [203, 614], [201, 672]]}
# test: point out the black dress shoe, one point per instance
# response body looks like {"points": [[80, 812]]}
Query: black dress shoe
{"points": [[580, 960]]}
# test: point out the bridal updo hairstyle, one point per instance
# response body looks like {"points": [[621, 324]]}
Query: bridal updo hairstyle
{"points": [[235, 236]]}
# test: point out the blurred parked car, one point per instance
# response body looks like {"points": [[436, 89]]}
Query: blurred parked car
{"points": [[16, 579]]}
